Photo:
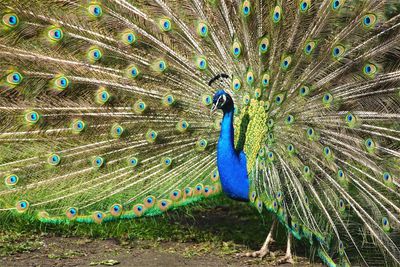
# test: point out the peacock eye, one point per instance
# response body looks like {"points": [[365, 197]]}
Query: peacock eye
{"points": [[246, 8], [276, 15], [221, 100], [165, 24], [336, 4], [236, 49], [14, 78], [55, 34], [369, 20], [95, 10], [202, 29], [10, 20]]}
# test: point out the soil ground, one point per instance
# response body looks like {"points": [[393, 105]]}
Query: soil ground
{"points": [[211, 236]]}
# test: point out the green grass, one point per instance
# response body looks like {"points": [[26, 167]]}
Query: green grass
{"points": [[218, 224]]}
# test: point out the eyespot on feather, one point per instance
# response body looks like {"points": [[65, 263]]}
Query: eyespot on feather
{"points": [[78, 126], [290, 149], [22, 206], [166, 162], [60, 83], [188, 192], [139, 107], [165, 24], [201, 62], [338, 51], [102, 96], [198, 189], [11, 180], [94, 54], [351, 120], [160, 66], [32, 117], [116, 210], [168, 100], [370, 145], [14, 78], [175, 195], [98, 216], [129, 37], [182, 126], [265, 80], [304, 5], [98, 162], [149, 201], [327, 99], [285, 63], [207, 191], [370, 70], [151, 136], [250, 77], [304, 90], [117, 130], [206, 100], [139, 209], [236, 49], [215, 175], [309, 47], [246, 99], [202, 29], [289, 120], [55, 34], [71, 213], [279, 99], [236, 84], [277, 14], [386, 225], [54, 159], [201, 145], [133, 161], [164, 204], [369, 20], [246, 8], [337, 4], [10, 20], [132, 72], [95, 10]]}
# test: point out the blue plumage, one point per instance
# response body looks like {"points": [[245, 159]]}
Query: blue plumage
{"points": [[231, 163]]}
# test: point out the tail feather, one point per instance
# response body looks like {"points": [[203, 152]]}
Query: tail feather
{"points": [[105, 112]]}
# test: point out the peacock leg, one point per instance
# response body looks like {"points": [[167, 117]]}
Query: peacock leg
{"points": [[265, 248], [288, 258]]}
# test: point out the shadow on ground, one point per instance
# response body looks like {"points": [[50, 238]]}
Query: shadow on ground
{"points": [[207, 235]]}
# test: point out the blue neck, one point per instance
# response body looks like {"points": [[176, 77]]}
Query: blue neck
{"points": [[231, 163]]}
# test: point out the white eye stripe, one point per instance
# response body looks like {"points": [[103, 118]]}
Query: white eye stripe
{"points": [[223, 100]]}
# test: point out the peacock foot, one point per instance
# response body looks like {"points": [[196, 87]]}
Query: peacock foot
{"points": [[285, 259], [264, 251], [288, 258]]}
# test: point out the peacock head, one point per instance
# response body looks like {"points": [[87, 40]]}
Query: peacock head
{"points": [[222, 100]]}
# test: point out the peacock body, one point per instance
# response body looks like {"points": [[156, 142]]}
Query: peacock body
{"points": [[105, 114]]}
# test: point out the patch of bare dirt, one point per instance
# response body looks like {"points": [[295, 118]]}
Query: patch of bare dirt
{"points": [[60, 251]]}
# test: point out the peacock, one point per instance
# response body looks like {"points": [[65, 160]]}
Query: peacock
{"points": [[118, 109]]}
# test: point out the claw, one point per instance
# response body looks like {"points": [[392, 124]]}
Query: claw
{"points": [[264, 251], [285, 259], [288, 258]]}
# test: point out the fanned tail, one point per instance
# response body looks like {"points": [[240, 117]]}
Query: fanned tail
{"points": [[104, 109], [323, 139]]}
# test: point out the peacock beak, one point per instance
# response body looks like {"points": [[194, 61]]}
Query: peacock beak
{"points": [[213, 109]]}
